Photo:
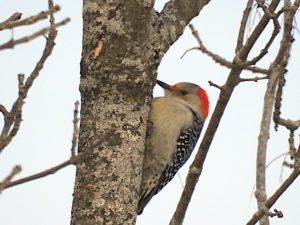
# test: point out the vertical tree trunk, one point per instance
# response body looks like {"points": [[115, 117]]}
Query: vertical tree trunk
{"points": [[116, 85], [123, 42]]}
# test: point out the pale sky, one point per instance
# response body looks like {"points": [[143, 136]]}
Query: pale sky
{"points": [[224, 193]]}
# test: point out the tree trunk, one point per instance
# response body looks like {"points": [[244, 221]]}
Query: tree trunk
{"points": [[123, 43]]}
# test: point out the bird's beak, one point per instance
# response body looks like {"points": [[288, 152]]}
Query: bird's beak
{"points": [[165, 86]]}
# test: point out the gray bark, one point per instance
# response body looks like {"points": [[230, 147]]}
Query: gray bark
{"points": [[123, 43]]}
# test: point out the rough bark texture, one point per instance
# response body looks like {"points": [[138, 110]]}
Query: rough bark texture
{"points": [[123, 43]]}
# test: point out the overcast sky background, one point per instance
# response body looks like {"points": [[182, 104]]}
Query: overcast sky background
{"points": [[224, 194]]}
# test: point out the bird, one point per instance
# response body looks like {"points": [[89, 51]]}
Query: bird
{"points": [[174, 126]]}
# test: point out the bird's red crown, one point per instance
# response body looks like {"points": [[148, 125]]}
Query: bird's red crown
{"points": [[204, 107]]}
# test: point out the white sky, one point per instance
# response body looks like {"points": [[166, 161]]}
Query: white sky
{"points": [[224, 191]]}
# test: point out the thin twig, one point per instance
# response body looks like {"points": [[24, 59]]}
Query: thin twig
{"points": [[29, 20], [218, 59], [12, 43], [74, 160], [255, 79], [190, 49], [244, 20], [51, 13], [277, 157], [17, 169], [271, 201], [287, 164], [257, 32], [292, 145], [264, 51], [278, 99], [17, 111], [289, 124], [269, 163], [282, 166], [14, 17], [75, 129], [256, 69], [14, 117], [202, 48], [3, 110], [261, 4], [214, 85]]}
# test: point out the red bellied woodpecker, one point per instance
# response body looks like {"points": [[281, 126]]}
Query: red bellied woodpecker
{"points": [[174, 126]]}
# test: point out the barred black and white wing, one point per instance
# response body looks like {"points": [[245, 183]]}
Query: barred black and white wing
{"points": [[184, 147]]}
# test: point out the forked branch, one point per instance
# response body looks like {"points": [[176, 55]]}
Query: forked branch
{"points": [[13, 118]]}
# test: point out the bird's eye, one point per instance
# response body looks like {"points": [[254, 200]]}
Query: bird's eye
{"points": [[183, 92]]}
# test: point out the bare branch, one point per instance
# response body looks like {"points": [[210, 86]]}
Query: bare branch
{"points": [[172, 29], [75, 129], [14, 17], [17, 110], [72, 160], [214, 85], [190, 49], [219, 59], [265, 9], [243, 53], [17, 169], [277, 105], [255, 69], [277, 157], [289, 124], [283, 187], [287, 38], [292, 145], [3, 110], [51, 12], [287, 164], [202, 48], [255, 79], [244, 20], [30, 20], [12, 43], [271, 201], [264, 51], [14, 117], [277, 213], [225, 94], [277, 70], [263, 137]]}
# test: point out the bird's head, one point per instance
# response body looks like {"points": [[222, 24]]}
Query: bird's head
{"points": [[191, 93]]}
